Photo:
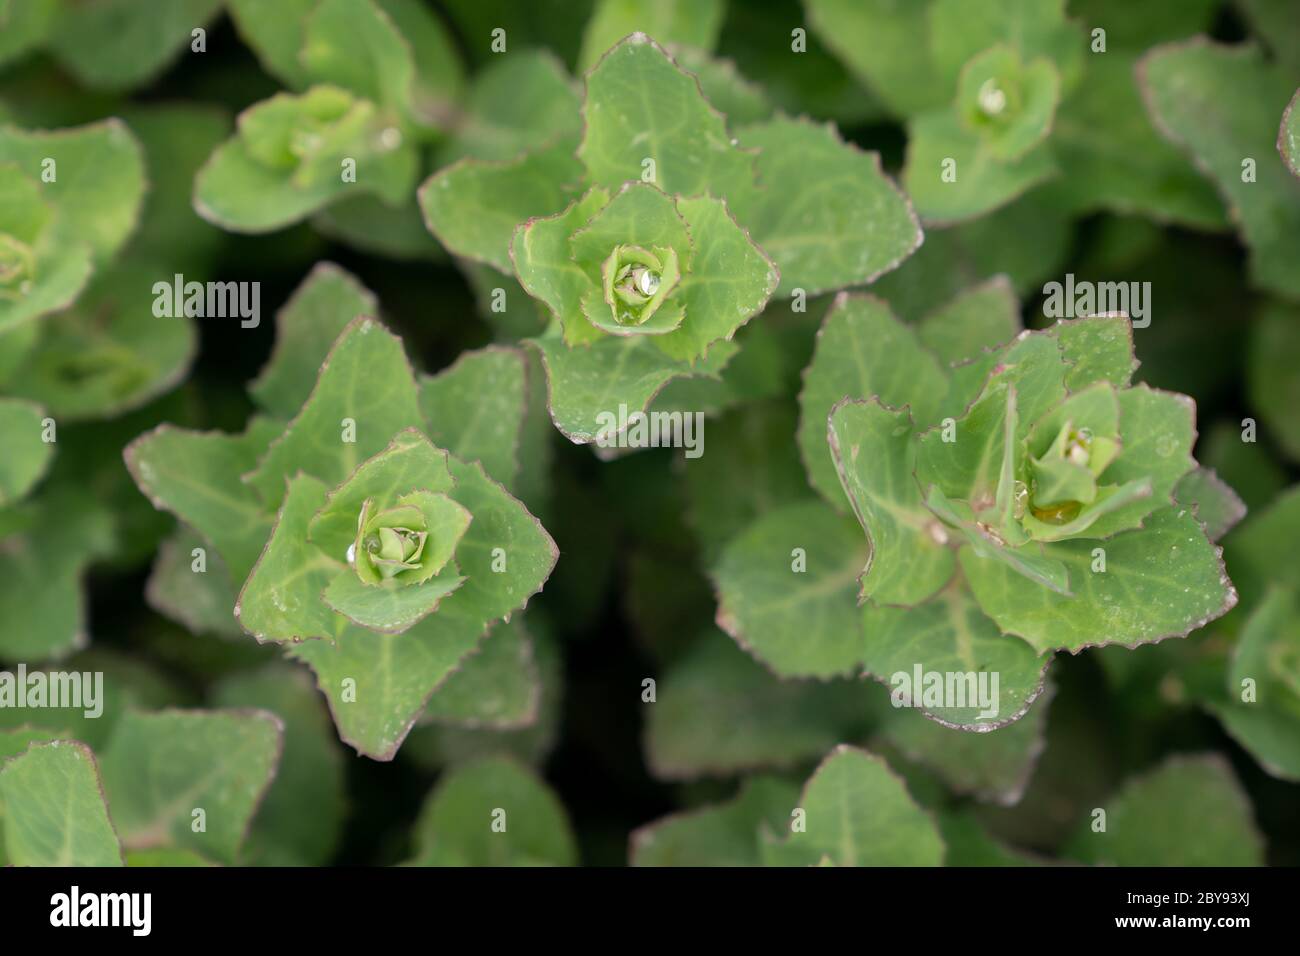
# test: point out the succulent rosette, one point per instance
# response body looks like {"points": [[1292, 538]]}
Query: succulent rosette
{"points": [[35, 276], [376, 557], [1045, 482], [642, 263], [69, 200], [1020, 495], [344, 130]]}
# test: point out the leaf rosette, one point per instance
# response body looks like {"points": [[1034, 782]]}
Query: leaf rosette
{"points": [[643, 263], [364, 102], [376, 557], [1050, 478], [68, 200]]}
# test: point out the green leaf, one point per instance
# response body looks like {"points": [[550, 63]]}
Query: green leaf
{"points": [[473, 206], [1099, 348], [121, 44], [274, 32], [389, 611], [53, 808], [109, 353], [518, 103], [719, 712], [27, 455], [202, 601], [354, 44], [500, 522], [1026, 240], [885, 45], [166, 856], [475, 409], [1259, 551], [62, 531], [547, 269], [1163, 580], [471, 731], [800, 623], [587, 383], [968, 844], [305, 328], [455, 827], [949, 634], [735, 97], [1267, 735], [857, 813], [1111, 156], [100, 180], [370, 225], [874, 452], [497, 686], [1158, 430], [197, 477], [281, 600], [694, 23], [300, 820], [724, 834], [862, 351], [26, 25], [437, 86], [960, 29], [1288, 136], [128, 684], [995, 766], [366, 388], [1189, 811], [160, 768], [1212, 499], [939, 148], [1261, 708], [975, 462], [1266, 654], [984, 316], [1221, 104], [729, 282], [1143, 26], [1272, 379], [751, 466], [641, 106], [846, 226]]}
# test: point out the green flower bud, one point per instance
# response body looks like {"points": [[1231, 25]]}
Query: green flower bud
{"points": [[309, 134], [389, 543], [637, 282], [407, 543]]}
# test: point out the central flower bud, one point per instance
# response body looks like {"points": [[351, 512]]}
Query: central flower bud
{"points": [[389, 542], [637, 281], [395, 549]]}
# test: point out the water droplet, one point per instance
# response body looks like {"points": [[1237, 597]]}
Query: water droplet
{"points": [[991, 99]]}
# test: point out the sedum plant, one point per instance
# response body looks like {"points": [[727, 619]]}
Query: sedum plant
{"points": [[1016, 490], [363, 102], [651, 232], [372, 555]]}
